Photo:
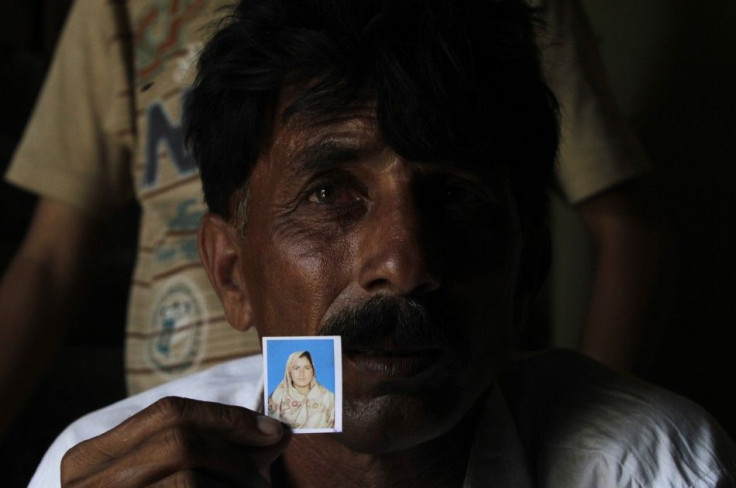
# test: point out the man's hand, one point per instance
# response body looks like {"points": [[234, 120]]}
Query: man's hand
{"points": [[179, 442]]}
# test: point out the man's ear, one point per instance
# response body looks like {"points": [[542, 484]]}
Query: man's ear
{"points": [[220, 252], [535, 261]]}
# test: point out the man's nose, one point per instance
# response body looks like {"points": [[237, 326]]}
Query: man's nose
{"points": [[395, 255]]}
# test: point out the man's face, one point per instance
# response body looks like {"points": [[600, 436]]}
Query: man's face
{"points": [[335, 219]]}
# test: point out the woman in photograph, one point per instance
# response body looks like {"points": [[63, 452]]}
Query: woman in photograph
{"points": [[300, 400]]}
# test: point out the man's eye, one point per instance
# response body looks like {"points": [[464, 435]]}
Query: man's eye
{"points": [[452, 194], [464, 204], [460, 196], [333, 195], [333, 199], [324, 195]]}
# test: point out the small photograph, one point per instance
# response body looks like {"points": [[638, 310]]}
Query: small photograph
{"points": [[303, 382]]}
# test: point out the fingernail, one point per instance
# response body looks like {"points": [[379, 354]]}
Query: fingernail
{"points": [[268, 426]]}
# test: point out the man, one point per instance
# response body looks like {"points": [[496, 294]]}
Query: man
{"points": [[377, 170]]}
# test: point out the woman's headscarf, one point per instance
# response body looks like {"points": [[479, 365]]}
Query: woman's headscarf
{"points": [[315, 409]]}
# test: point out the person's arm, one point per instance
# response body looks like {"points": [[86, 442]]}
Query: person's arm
{"points": [[630, 254], [38, 296]]}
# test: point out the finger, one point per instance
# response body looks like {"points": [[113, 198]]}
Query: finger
{"points": [[172, 420], [241, 425], [181, 449]]}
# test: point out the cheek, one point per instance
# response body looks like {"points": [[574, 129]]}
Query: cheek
{"points": [[481, 274], [476, 254], [482, 300], [301, 273]]}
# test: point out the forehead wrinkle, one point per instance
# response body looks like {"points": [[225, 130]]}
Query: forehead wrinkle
{"points": [[321, 146], [327, 154]]}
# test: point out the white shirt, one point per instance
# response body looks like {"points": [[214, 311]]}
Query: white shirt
{"points": [[558, 420]]}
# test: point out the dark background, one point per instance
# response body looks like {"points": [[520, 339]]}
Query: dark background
{"points": [[672, 65]]}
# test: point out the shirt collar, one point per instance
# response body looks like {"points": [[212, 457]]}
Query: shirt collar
{"points": [[497, 457]]}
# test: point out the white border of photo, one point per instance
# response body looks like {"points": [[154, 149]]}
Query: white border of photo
{"points": [[337, 355]]}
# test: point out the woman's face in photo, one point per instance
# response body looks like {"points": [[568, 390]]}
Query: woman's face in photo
{"points": [[301, 372]]}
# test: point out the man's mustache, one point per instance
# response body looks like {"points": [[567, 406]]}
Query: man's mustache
{"points": [[402, 322]]}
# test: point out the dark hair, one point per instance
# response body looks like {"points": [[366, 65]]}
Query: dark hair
{"points": [[451, 79], [307, 355]]}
